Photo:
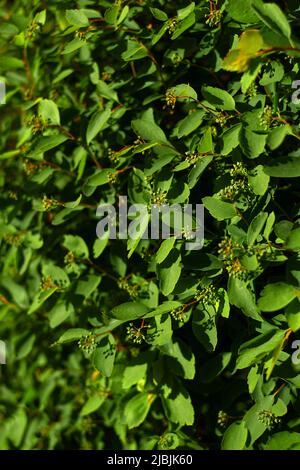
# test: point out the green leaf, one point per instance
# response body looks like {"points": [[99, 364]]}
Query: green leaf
{"points": [[189, 124], [276, 296], [164, 249], [255, 228], [87, 285], [76, 245], [219, 98], [97, 123], [241, 297], [169, 272], [272, 16], [293, 240], [287, 167], [104, 355], [73, 334], [93, 404], [77, 18], [148, 130], [60, 312], [178, 406], [44, 144], [129, 311], [180, 359], [218, 209], [136, 409], [204, 327], [258, 180], [159, 14], [133, 374], [49, 112], [235, 436]]}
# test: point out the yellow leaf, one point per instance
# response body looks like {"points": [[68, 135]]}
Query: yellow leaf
{"points": [[251, 41], [236, 61]]}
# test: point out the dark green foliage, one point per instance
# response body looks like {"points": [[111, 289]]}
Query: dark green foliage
{"points": [[141, 344]]}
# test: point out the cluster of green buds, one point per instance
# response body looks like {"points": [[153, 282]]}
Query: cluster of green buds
{"points": [[238, 184], [29, 167], [214, 17], [238, 170], [236, 269], [87, 343], [171, 98], [179, 314], [49, 203], [207, 295], [136, 335], [227, 248], [252, 90], [80, 35], [32, 30], [232, 191], [223, 419], [14, 239], [37, 124], [266, 117], [229, 253], [47, 283], [221, 119], [187, 233], [112, 178], [158, 197], [113, 156], [191, 157], [105, 76], [176, 58], [132, 290], [268, 418], [12, 195], [172, 24], [70, 258]]}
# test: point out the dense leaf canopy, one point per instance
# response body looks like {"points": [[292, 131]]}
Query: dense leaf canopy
{"points": [[142, 344]]}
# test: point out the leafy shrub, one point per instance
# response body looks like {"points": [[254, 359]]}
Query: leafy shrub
{"points": [[143, 345]]}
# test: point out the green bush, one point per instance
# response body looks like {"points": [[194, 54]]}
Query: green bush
{"points": [[142, 344]]}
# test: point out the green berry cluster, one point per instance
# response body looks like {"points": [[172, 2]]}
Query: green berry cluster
{"points": [[172, 24], [32, 30], [171, 98], [252, 90], [266, 117], [14, 239], [191, 157], [239, 170], [238, 185], [158, 197], [70, 258], [37, 124], [136, 335], [214, 18], [112, 178], [132, 290], [229, 253], [223, 419], [47, 283], [179, 314], [29, 167], [49, 203], [113, 156], [207, 295], [87, 343], [221, 119], [268, 419]]}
